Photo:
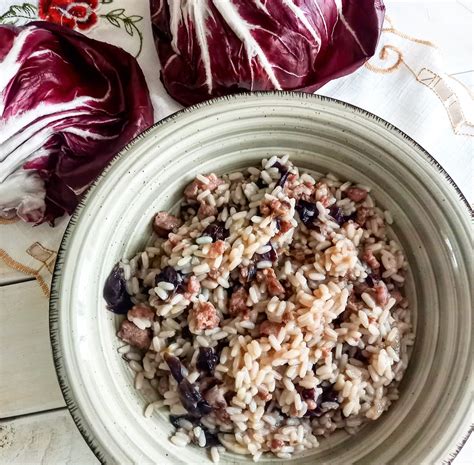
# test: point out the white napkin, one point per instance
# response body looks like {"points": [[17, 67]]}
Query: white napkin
{"points": [[404, 84]]}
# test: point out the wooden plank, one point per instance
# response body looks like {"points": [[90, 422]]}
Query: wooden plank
{"points": [[48, 438], [27, 378]]}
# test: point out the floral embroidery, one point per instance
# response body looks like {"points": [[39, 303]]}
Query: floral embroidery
{"points": [[36, 273], [118, 17], [17, 15], [392, 59], [46, 256], [76, 14], [69, 13]]}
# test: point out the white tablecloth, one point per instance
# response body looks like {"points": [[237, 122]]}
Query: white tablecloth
{"points": [[404, 83]]}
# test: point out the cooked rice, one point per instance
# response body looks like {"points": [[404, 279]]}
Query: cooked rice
{"points": [[298, 298]]}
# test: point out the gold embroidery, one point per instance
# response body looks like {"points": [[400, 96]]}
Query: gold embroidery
{"points": [[42, 254], [403, 35], [9, 220], [437, 83], [10, 262], [384, 55], [449, 99]]}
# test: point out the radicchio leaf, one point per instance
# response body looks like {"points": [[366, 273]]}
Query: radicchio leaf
{"points": [[336, 213], [177, 420], [216, 231], [328, 395], [115, 292], [192, 400], [169, 275], [175, 366], [207, 360], [308, 213], [68, 104], [211, 438], [270, 256], [209, 48], [283, 170], [370, 280]]}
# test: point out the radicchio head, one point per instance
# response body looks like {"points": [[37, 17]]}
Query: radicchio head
{"points": [[68, 104], [209, 48]]}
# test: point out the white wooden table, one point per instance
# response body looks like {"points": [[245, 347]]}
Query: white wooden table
{"points": [[35, 426]]}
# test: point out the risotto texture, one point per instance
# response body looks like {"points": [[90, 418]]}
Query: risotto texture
{"points": [[268, 313]]}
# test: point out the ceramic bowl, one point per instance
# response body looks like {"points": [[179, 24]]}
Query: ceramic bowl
{"points": [[432, 221]]}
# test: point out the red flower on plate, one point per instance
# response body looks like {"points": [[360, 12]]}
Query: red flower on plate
{"points": [[69, 13]]}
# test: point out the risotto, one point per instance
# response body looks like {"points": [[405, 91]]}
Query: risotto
{"points": [[268, 313]]}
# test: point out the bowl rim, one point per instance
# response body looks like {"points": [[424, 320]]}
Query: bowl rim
{"points": [[54, 314]]}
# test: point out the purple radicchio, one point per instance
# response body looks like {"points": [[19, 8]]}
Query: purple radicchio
{"points": [[68, 104], [209, 48], [115, 291]]}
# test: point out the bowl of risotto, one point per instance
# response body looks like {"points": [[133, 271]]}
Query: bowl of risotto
{"points": [[270, 277]]}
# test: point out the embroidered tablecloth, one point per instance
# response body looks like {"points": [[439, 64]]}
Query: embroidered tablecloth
{"points": [[403, 83]]}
